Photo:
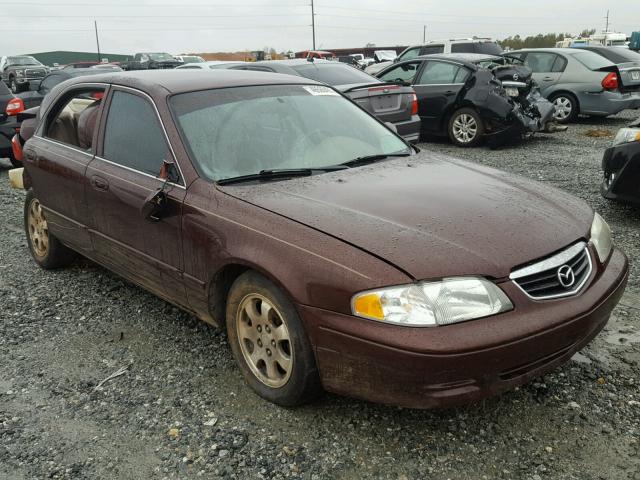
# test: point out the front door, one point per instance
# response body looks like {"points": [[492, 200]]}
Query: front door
{"points": [[125, 172]]}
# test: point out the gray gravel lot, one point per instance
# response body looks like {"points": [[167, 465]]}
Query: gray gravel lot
{"points": [[181, 409]]}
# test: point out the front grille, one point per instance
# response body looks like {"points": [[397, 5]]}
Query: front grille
{"points": [[35, 72], [560, 275]]}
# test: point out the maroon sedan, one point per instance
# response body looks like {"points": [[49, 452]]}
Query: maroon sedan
{"points": [[336, 255]]}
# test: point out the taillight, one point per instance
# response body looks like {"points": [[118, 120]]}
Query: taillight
{"points": [[610, 82], [16, 146], [15, 106], [97, 95], [414, 104]]}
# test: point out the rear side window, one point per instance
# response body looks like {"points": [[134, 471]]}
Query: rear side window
{"points": [[438, 73], [133, 137], [74, 118], [430, 49], [543, 62], [462, 48], [333, 73], [488, 48]]}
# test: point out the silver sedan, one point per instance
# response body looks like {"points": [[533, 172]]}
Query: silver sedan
{"points": [[582, 82]]}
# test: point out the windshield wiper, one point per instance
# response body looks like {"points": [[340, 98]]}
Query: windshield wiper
{"points": [[280, 173], [373, 158]]}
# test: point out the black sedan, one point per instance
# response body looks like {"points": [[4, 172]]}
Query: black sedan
{"points": [[471, 96], [621, 166], [391, 103]]}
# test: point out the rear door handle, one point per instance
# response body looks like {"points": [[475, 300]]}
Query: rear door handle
{"points": [[548, 79], [448, 93], [31, 155], [99, 183]]}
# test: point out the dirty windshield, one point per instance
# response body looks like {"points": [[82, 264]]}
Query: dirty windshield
{"points": [[243, 131]]}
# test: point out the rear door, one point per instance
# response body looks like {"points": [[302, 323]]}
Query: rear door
{"points": [[57, 157], [547, 68], [437, 86], [125, 171]]}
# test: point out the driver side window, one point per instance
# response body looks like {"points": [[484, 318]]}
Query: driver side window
{"points": [[133, 136], [405, 72]]}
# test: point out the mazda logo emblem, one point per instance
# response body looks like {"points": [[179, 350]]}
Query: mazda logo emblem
{"points": [[566, 276], [516, 77]]}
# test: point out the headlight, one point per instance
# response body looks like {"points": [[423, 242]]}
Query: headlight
{"points": [[20, 73], [429, 304], [601, 237], [626, 135]]}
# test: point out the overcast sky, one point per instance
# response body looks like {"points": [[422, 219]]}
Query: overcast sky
{"points": [[234, 25]]}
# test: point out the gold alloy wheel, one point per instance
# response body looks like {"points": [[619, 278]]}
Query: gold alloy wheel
{"points": [[38, 229], [264, 340]]}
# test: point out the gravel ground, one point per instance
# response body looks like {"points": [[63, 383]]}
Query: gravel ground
{"points": [[181, 410]]}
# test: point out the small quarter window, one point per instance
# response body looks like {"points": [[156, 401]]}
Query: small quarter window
{"points": [[133, 136]]}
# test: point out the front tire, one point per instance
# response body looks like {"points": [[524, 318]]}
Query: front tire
{"points": [[465, 128], [47, 251], [269, 342], [566, 107]]}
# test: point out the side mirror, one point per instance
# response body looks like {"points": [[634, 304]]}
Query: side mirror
{"points": [[154, 205], [169, 171]]}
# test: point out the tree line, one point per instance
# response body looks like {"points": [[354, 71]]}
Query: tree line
{"points": [[539, 41]]}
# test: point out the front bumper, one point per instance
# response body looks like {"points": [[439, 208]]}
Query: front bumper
{"points": [[607, 103], [409, 130], [621, 166], [444, 366]]}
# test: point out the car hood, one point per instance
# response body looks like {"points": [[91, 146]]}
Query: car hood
{"points": [[429, 215]]}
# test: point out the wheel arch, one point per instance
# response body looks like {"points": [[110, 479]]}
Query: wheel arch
{"points": [[221, 281], [564, 91]]}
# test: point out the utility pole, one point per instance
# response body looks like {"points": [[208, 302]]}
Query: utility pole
{"points": [[607, 17], [95, 25], [313, 25], [424, 34]]}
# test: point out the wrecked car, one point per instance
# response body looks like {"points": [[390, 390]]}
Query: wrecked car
{"points": [[337, 255], [474, 96], [621, 166]]}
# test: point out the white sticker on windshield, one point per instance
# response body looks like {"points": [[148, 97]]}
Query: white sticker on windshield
{"points": [[319, 90]]}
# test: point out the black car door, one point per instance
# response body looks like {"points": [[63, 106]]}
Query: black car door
{"points": [[437, 86]]}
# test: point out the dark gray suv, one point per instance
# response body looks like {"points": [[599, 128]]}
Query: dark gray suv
{"points": [[18, 71]]}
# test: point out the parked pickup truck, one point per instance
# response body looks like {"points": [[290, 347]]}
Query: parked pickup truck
{"points": [[151, 61], [18, 71]]}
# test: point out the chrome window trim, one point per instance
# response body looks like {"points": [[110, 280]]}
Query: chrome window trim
{"points": [[555, 261], [139, 172], [66, 145]]}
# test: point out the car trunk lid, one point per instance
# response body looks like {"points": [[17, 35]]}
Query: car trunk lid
{"points": [[389, 102]]}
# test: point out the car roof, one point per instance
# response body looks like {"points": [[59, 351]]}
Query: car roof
{"points": [[462, 57], [567, 51], [297, 61], [174, 81]]}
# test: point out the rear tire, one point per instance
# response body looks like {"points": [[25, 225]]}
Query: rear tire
{"points": [[465, 128], [47, 251], [566, 107], [14, 162], [269, 342]]}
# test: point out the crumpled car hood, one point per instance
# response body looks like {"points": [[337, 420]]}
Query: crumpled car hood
{"points": [[430, 215]]}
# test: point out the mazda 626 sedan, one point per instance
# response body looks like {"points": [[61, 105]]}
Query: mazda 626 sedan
{"points": [[336, 255]]}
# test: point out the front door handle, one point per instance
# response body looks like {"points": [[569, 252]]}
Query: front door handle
{"points": [[448, 93], [548, 79], [99, 183]]}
